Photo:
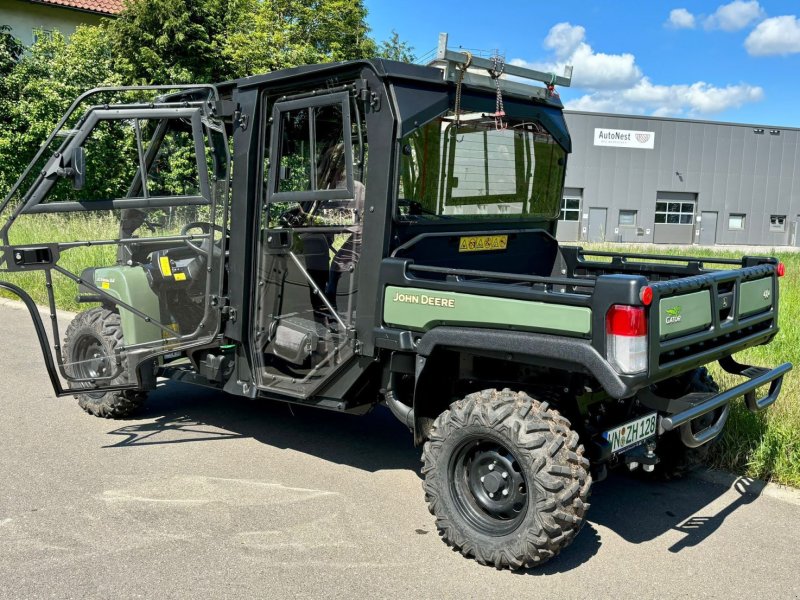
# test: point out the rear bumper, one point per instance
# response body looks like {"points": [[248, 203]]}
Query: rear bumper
{"points": [[680, 412]]}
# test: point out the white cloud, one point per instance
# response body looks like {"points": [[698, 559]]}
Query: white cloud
{"points": [[615, 83], [692, 100], [563, 39], [777, 35], [594, 70], [680, 18], [735, 15]]}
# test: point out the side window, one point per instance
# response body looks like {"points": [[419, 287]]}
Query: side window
{"points": [[294, 174], [312, 173], [165, 150]]}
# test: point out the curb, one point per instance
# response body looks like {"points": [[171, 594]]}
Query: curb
{"points": [[748, 486]]}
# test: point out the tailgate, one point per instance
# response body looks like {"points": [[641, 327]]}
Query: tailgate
{"points": [[696, 320]]}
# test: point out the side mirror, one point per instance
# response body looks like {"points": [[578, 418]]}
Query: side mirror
{"points": [[79, 168]]}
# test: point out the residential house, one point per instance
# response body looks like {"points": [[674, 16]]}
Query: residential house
{"points": [[30, 18]]}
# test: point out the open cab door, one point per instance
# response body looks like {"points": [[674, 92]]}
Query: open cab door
{"points": [[125, 209]]}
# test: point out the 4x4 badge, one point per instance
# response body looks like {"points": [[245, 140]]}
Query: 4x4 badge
{"points": [[766, 294], [673, 315]]}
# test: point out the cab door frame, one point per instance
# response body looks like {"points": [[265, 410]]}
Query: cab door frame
{"points": [[45, 256]]}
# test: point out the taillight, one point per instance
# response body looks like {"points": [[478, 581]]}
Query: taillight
{"points": [[646, 295], [780, 269], [626, 334]]}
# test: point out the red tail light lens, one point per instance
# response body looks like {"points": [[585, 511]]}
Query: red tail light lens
{"points": [[628, 321], [780, 269], [626, 338], [646, 295]]}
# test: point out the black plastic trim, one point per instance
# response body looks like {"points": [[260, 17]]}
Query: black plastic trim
{"points": [[560, 351]]}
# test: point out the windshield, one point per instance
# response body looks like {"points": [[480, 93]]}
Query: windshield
{"points": [[474, 169]]}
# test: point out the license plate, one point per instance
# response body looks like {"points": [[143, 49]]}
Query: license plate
{"points": [[631, 433]]}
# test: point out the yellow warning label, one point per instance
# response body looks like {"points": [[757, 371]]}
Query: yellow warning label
{"points": [[169, 340], [166, 269], [180, 276], [483, 243], [105, 285]]}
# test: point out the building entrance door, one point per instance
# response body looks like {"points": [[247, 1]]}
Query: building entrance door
{"points": [[708, 229], [597, 225]]}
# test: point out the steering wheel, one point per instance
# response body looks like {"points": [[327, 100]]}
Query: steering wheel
{"points": [[203, 226], [292, 218]]}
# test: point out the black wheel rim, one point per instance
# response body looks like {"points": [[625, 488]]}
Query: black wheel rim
{"points": [[91, 360], [488, 486]]}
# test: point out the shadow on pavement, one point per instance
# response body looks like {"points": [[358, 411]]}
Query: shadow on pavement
{"points": [[635, 509], [185, 414]]}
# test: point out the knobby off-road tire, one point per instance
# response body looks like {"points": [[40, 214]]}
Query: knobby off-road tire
{"points": [[89, 345], [676, 460], [506, 479]]}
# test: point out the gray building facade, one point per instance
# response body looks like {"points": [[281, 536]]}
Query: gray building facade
{"points": [[676, 181]]}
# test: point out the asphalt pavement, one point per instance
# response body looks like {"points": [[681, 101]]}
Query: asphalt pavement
{"points": [[212, 496]]}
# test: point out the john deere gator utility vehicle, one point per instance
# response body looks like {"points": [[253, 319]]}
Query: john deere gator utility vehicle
{"points": [[372, 232]]}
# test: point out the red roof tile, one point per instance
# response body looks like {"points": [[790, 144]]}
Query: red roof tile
{"points": [[106, 7]]}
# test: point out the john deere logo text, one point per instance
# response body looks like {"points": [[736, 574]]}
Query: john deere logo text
{"points": [[673, 315], [424, 299]]}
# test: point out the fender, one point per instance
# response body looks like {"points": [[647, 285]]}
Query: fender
{"points": [[550, 350], [129, 285]]}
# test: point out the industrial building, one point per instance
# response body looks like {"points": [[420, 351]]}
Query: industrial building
{"points": [[676, 181]]}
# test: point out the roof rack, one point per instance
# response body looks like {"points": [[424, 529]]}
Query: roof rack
{"points": [[451, 62]]}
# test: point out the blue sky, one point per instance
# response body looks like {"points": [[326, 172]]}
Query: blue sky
{"points": [[736, 61]]}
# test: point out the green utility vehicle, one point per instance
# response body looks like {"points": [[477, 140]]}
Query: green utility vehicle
{"points": [[372, 232]]}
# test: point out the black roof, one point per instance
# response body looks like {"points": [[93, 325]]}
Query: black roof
{"points": [[383, 68]]}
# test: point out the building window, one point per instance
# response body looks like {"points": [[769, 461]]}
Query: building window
{"points": [[675, 213], [42, 34], [627, 218], [736, 221], [570, 209], [777, 223]]}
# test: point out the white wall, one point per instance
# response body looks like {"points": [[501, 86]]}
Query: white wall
{"points": [[24, 17]]}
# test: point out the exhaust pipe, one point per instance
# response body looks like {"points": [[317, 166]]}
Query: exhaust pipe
{"points": [[402, 412]]}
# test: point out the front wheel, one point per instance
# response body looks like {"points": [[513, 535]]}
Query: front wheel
{"points": [[506, 479], [90, 344]]}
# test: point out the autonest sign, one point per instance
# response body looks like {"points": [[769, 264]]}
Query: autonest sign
{"points": [[624, 138]]}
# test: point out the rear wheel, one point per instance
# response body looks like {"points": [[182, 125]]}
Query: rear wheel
{"points": [[506, 479], [676, 460], [90, 343]]}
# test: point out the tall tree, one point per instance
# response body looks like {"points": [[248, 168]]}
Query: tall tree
{"points": [[10, 50], [43, 83], [396, 49], [274, 34], [10, 53], [172, 41]]}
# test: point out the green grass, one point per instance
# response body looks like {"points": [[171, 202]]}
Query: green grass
{"points": [[38, 229], [766, 445]]}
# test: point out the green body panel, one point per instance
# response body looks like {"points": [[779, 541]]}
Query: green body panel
{"points": [[755, 296], [130, 285], [683, 314], [420, 309]]}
